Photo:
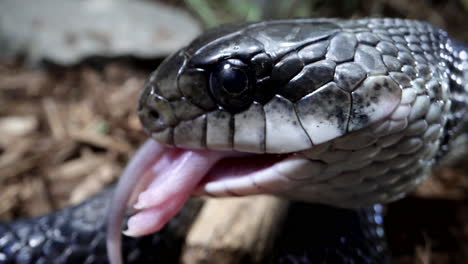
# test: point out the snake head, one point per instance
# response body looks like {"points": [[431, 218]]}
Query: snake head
{"points": [[280, 88], [321, 110]]}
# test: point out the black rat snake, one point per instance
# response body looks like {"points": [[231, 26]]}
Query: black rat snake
{"points": [[347, 113]]}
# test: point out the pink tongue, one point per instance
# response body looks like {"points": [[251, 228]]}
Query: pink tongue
{"points": [[175, 176], [169, 175]]}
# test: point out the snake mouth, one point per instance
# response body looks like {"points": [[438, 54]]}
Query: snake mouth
{"points": [[245, 175], [160, 179]]}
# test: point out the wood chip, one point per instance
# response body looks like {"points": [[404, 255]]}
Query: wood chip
{"points": [[14, 152], [118, 101], [17, 126], [447, 183], [96, 181], [234, 230], [76, 168], [35, 200], [30, 81], [102, 141], [9, 198], [12, 170], [54, 115]]}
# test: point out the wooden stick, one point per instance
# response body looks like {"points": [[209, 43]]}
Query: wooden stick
{"points": [[234, 230]]}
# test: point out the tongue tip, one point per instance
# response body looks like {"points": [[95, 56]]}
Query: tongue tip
{"points": [[144, 157], [153, 219]]}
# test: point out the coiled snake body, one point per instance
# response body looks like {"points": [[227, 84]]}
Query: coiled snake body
{"points": [[348, 113]]}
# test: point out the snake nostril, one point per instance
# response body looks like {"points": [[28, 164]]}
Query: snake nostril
{"points": [[153, 114]]}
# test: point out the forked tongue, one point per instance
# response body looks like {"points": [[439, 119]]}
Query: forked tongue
{"points": [[175, 177], [168, 177]]}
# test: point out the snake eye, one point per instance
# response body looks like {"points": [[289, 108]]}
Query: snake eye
{"points": [[231, 84]]}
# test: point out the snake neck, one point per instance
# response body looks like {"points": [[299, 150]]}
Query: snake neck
{"points": [[455, 139]]}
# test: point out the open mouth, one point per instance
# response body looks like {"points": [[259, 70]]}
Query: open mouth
{"points": [[159, 180], [176, 174]]}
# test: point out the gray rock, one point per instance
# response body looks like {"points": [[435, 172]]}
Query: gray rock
{"points": [[66, 31]]}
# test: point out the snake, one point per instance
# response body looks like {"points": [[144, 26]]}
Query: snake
{"points": [[338, 115]]}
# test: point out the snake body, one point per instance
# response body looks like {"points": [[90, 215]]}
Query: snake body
{"points": [[359, 110]]}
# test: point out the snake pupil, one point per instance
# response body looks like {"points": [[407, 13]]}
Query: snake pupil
{"points": [[231, 85], [234, 80]]}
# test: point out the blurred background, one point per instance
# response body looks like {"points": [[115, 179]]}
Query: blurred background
{"points": [[71, 72]]}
